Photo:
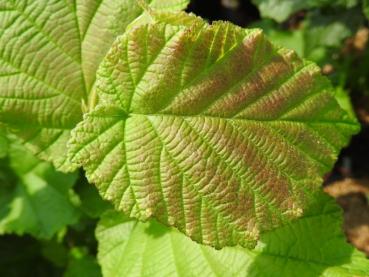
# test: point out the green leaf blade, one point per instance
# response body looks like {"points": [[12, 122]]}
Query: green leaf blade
{"points": [[211, 129], [39, 200], [313, 245], [49, 53]]}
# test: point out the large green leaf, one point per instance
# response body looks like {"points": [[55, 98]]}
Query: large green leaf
{"points": [[211, 129], [34, 197], [49, 52], [308, 247]]}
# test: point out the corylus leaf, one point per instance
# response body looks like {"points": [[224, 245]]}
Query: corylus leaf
{"points": [[49, 53], [34, 198], [311, 246], [211, 129]]}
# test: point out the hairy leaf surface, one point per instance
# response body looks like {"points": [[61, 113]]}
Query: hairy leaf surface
{"points": [[311, 246], [211, 129], [34, 197], [49, 52]]}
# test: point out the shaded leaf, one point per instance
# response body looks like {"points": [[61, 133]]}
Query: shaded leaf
{"points": [[322, 31], [4, 143], [55, 252], [91, 202], [82, 264], [280, 10], [317, 34], [39, 201]]}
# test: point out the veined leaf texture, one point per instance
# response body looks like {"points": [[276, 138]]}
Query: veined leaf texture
{"points": [[310, 246], [211, 129], [207, 128], [49, 53]]}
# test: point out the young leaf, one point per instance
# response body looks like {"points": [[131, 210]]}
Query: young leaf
{"points": [[38, 200], [49, 52], [210, 129], [310, 246]]}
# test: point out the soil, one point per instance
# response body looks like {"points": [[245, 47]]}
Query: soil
{"points": [[352, 196]]}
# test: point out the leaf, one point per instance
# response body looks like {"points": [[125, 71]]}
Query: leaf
{"points": [[343, 98], [280, 10], [82, 264], [310, 246], [279, 36], [321, 30], [4, 144], [55, 252], [210, 129], [91, 202], [38, 201], [366, 8], [317, 33], [49, 53]]}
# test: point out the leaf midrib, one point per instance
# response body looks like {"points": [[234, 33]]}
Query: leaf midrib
{"points": [[266, 121]]}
